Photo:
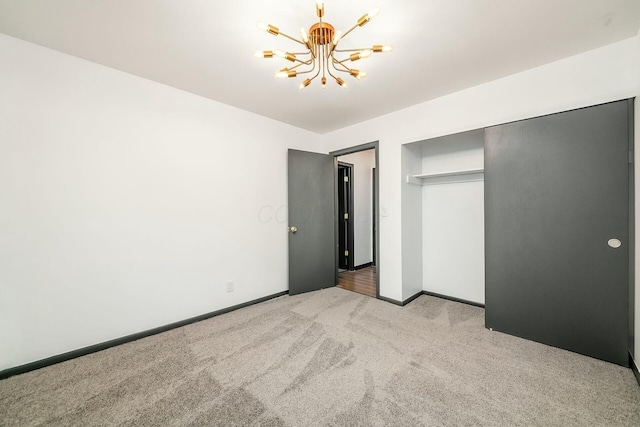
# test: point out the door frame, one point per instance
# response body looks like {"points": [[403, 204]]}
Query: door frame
{"points": [[350, 223], [357, 148], [374, 228]]}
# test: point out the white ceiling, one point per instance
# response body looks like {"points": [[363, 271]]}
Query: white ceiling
{"points": [[206, 47]]}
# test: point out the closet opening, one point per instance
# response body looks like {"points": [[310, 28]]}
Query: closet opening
{"points": [[443, 217]]}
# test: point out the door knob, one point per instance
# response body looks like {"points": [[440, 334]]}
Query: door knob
{"points": [[293, 229], [614, 243]]}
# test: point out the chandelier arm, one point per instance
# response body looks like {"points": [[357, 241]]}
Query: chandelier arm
{"points": [[296, 66], [305, 72], [293, 38], [331, 74], [305, 62], [321, 60], [350, 29], [313, 67], [342, 71], [334, 61], [346, 69], [311, 50], [340, 62], [335, 45], [352, 50], [317, 72], [321, 65]]}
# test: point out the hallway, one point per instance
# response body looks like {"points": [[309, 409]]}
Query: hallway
{"points": [[361, 281]]}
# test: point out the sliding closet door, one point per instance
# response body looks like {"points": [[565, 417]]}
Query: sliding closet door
{"points": [[556, 205]]}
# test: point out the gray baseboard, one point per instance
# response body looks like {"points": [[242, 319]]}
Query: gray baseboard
{"points": [[463, 301], [432, 294], [361, 266], [133, 337], [391, 300], [400, 303]]}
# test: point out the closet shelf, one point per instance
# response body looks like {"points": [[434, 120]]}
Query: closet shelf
{"points": [[456, 176]]}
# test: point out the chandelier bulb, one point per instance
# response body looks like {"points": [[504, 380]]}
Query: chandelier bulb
{"points": [[286, 55], [324, 82], [285, 72], [368, 17], [268, 28], [360, 55], [320, 8], [341, 82], [382, 48], [305, 83], [304, 35], [263, 54], [337, 37], [358, 74]]}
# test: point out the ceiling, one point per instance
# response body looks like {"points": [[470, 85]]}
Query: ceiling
{"points": [[206, 47]]}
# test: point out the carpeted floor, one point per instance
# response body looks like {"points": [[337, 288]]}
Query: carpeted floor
{"points": [[331, 357]]}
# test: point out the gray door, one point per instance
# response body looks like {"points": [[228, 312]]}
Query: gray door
{"points": [[556, 193], [311, 222]]}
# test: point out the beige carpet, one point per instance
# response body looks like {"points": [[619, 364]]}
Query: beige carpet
{"points": [[331, 357]]}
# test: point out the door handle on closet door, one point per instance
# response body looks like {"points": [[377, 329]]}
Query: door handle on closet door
{"points": [[614, 243]]}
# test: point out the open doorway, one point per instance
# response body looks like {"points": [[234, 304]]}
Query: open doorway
{"points": [[345, 217], [356, 217]]}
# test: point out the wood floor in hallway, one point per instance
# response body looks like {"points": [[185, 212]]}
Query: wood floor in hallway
{"points": [[362, 281]]}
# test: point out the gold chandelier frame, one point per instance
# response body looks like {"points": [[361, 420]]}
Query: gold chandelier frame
{"points": [[321, 42]]}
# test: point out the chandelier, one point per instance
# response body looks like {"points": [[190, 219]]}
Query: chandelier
{"points": [[321, 51]]}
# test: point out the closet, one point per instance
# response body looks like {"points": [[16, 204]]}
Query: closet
{"points": [[533, 219], [443, 188]]}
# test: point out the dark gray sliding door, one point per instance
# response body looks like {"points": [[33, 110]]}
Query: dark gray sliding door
{"points": [[556, 194]]}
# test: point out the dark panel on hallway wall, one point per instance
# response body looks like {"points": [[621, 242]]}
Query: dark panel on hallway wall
{"points": [[556, 191], [346, 235]]}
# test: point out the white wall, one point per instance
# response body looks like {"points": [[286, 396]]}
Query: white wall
{"points": [[605, 74], [411, 198], [126, 204], [453, 218], [363, 163]]}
